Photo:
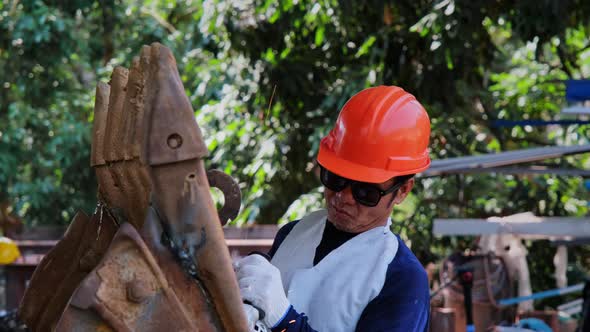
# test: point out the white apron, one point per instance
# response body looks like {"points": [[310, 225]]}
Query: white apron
{"points": [[334, 293]]}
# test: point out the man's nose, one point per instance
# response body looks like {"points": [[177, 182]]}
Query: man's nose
{"points": [[345, 196]]}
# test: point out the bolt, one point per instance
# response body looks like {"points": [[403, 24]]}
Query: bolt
{"points": [[137, 291], [174, 141]]}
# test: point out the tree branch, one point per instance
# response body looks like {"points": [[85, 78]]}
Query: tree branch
{"points": [[564, 61], [159, 19], [175, 18]]}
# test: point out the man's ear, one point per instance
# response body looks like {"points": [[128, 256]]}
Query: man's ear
{"points": [[403, 191]]}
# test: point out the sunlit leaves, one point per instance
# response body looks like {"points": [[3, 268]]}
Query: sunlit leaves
{"points": [[364, 48]]}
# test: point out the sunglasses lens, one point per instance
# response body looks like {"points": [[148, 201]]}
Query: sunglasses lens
{"points": [[365, 194], [332, 181]]}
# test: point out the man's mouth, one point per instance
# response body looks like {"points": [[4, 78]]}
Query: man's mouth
{"points": [[341, 212]]}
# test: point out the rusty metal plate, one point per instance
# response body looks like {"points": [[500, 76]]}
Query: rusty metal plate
{"points": [[128, 291], [173, 148], [51, 271]]}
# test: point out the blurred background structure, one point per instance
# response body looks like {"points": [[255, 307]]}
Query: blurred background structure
{"points": [[267, 79]]}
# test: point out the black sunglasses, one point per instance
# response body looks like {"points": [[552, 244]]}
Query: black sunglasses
{"points": [[367, 194]]}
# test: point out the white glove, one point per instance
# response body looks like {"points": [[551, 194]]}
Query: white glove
{"points": [[260, 283], [254, 325], [251, 315]]}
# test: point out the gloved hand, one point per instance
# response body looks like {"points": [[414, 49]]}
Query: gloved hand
{"points": [[251, 315], [260, 283]]}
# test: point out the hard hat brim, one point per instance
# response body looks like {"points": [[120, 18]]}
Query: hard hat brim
{"points": [[354, 171]]}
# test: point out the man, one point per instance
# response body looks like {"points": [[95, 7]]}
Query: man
{"points": [[341, 269]]}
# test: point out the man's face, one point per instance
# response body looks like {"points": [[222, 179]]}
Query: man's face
{"points": [[346, 214]]}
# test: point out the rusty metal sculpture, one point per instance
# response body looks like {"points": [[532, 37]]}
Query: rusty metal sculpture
{"points": [[152, 256]]}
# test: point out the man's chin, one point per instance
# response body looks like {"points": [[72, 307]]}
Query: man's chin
{"points": [[345, 227], [340, 221]]}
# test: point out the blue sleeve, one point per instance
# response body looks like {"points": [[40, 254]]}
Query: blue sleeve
{"points": [[403, 305], [293, 322], [281, 235]]}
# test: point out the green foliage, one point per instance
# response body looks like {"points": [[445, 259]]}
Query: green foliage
{"points": [[267, 79]]}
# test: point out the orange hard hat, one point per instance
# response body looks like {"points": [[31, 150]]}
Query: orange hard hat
{"points": [[381, 132]]}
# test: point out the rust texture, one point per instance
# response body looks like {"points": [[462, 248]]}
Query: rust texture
{"points": [[189, 291], [181, 192], [98, 127], [123, 182], [64, 267], [168, 113], [51, 271], [128, 268]]}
